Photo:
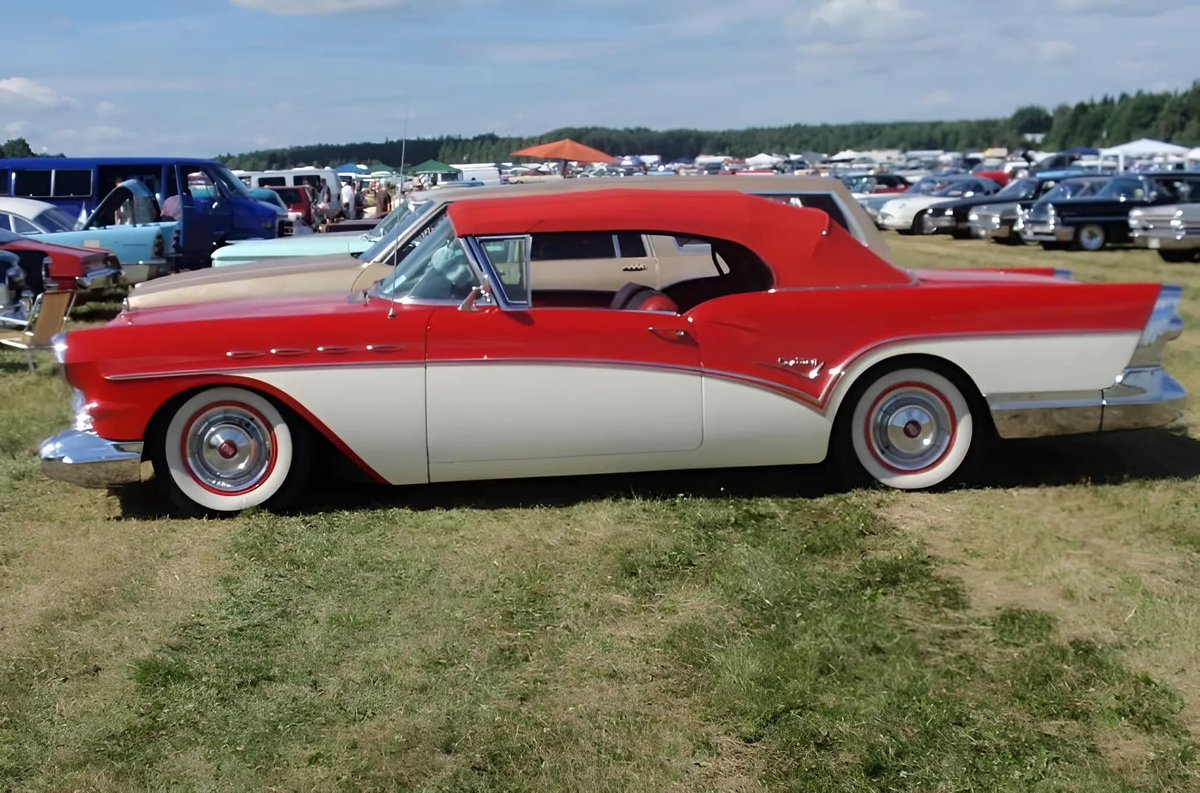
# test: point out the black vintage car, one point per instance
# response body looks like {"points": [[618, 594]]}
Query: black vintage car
{"points": [[1005, 222], [955, 216], [1093, 222]]}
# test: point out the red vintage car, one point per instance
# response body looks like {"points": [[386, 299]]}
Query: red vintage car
{"points": [[49, 266], [799, 344], [301, 202]]}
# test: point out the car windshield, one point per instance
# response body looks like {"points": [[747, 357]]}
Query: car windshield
{"points": [[1123, 190], [1022, 188], [1075, 188], [436, 270], [930, 184], [397, 222], [955, 190], [55, 219]]}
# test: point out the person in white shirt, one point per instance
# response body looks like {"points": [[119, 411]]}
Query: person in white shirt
{"points": [[347, 197]]}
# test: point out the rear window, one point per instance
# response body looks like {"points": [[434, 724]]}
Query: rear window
{"points": [[822, 201], [33, 184], [573, 245], [72, 184]]}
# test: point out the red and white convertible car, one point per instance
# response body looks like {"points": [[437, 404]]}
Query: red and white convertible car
{"points": [[796, 343]]}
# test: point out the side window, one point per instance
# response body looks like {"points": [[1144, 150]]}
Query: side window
{"points": [[630, 245], [272, 181], [508, 256], [201, 186], [34, 184], [23, 226], [5, 176], [573, 245], [4, 221], [72, 184]]}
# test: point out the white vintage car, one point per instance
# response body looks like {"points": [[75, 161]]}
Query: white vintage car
{"points": [[906, 214]]}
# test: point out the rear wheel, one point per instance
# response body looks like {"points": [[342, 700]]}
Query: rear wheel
{"points": [[229, 449], [1091, 237], [923, 224], [908, 428]]}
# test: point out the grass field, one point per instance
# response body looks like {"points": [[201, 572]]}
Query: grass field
{"points": [[744, 630]]}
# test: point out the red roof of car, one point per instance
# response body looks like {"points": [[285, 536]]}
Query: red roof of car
{"points": [[800, 245]]}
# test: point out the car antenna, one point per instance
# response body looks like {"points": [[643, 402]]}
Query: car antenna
{"points": [[403, 147]]}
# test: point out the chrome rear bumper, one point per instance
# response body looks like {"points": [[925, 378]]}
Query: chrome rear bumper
{"points": [[87, 460], [104, 278], [1140, 399]]}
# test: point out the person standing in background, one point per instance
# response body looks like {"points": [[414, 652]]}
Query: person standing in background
{"points": [[383, 199], [348, 197]]}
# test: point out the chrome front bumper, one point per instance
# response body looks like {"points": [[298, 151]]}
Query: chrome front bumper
{"points": [[87, 460], [104, 278], [1140, 399], [988, 228], [1045, 232], [1167, 240]]}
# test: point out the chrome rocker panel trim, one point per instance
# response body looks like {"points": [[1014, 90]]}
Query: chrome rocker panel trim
{"points": [[87, 460], [1141, 398]]}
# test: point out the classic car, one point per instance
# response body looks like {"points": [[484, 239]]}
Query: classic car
{"points": [[1004, 222], [1094, 222], [324, 244], [1172, 230], [799, 343], [300, 203], [865, 184], [954, 216], [412, 219], [29, 216], [48, 265], [129, 225], [907, 213]]}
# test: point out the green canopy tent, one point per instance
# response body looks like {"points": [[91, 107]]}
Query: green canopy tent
{"points": [[433, 166]]}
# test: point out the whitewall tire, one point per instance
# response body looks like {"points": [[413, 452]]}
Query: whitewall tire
{"points": [[909, 429], [229, 449]]}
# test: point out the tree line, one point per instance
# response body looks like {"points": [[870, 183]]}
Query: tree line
{"points": [[1173, 116]]}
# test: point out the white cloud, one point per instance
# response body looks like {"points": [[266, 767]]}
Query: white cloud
{"points": [[15, 127], [1053, 50], [858, 19], [101, 133], [295, 8], [21, 91], [1142, 8], [105, 108]]}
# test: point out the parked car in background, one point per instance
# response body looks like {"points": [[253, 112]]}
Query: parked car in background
{"points": [[52, 266], [864, 184], [1173, 230], [128, 223], [300, 203], [413, 219], [1005, 222], [1093, 222], [908, 214], [29, 216], [954, 216], [324, 182], [752, 362], [923, 186]]}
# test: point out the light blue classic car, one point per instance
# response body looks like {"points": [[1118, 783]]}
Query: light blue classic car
{"points": [[128, 223], [316, 244]]}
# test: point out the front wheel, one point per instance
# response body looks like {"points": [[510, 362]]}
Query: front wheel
{"points": [[1091, 237], [908, 428], [1179, 257], [229, 449]]}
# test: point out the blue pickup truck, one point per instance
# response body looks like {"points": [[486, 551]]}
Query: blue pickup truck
{"points": [[213, 205]]}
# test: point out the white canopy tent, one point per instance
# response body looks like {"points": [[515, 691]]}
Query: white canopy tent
{"points": [[1143, 148], [763, 160], [1194, 154]]}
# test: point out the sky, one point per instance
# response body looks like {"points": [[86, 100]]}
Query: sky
{"points": [[206, 77]]}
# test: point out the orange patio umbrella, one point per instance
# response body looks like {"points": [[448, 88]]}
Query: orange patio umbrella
{"points": [[565, 149]]}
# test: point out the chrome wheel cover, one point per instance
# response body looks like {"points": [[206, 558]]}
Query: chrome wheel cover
{"points": [[910, 430], [229, 449], [1091, 238]]}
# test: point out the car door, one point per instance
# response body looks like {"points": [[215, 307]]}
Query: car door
{"points": [[521, 390]]}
